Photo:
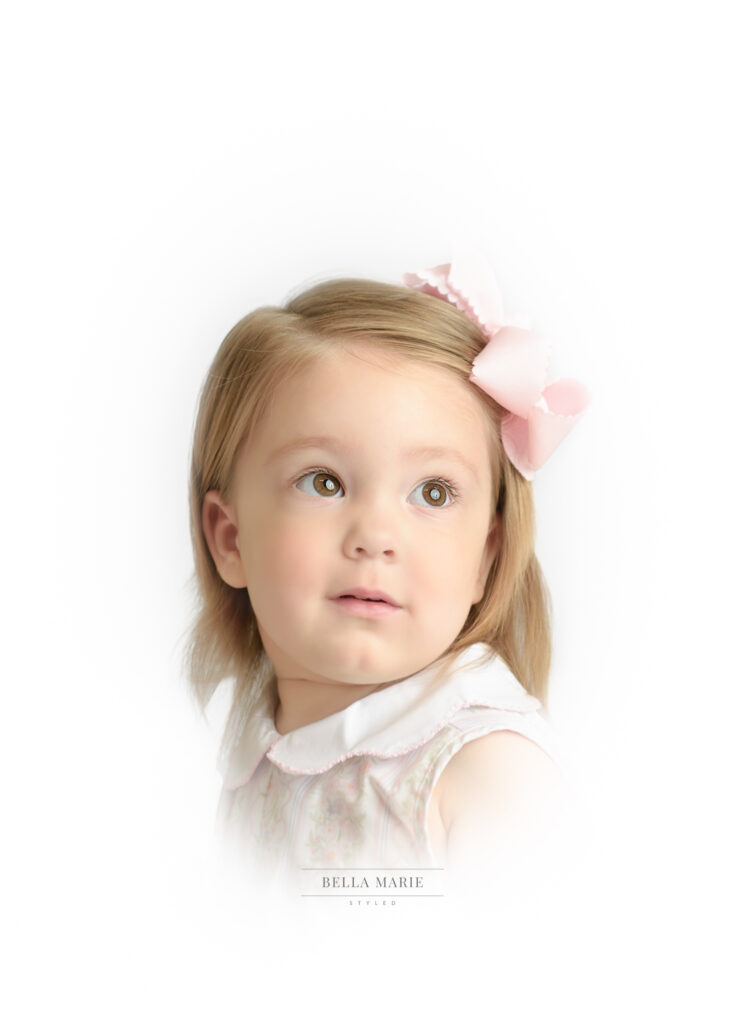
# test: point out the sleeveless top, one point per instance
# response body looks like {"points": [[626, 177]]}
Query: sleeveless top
{"points": [[352, 789]]}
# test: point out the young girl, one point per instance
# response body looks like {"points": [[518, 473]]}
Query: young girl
{"points": [[362, 523]]}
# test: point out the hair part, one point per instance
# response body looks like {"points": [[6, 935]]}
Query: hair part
{"points": [[256, 356]]}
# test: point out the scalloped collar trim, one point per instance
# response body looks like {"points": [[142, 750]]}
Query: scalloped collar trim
{"points": [[386, 723]]}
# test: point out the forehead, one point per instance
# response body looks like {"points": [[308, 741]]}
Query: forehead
{"points": [[373, 397]]}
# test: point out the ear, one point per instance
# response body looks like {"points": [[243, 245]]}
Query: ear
{"points": [[220, 526], [491, 550]]}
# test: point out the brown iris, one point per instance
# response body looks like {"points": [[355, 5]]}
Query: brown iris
{"points": [[326, 484], [434, 493]]}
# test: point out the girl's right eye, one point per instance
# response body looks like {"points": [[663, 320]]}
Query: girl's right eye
{"points": [[320, 482]]}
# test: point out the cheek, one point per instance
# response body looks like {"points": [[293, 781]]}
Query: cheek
{"points": [[452, 566], [287, 558]]}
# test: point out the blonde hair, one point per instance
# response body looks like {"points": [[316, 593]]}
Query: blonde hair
{"points": [[513, 616]]}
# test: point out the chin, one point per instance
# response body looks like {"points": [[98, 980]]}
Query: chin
{"points": [[360, 664], [366, 667]]}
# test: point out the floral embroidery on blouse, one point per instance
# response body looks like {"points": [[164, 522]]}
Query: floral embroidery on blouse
{"points": [[337, 823], [276, 797]]}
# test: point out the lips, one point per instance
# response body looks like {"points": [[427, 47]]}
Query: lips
{"points": [[365, 594]]}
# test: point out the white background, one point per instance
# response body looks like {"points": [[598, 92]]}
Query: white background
{"points": [[167, 168]]}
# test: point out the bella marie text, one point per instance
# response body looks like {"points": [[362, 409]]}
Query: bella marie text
{"points": [[381, 882]]}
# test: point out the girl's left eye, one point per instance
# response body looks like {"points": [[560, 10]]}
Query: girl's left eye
{"points": [[435, 494], [320, 482]]}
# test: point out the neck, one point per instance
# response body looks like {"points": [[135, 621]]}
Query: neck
{"points": [[302, 701]]}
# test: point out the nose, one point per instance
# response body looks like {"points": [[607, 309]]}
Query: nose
{"points": [[371, 533]]}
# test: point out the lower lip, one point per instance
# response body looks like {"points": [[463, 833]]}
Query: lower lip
{"points": [[365, 609]]}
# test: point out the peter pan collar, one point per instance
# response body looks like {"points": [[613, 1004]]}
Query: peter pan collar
{"points": [[386, 723]]}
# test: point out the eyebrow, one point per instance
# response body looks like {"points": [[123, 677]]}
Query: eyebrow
{"points": [[334, 445]]}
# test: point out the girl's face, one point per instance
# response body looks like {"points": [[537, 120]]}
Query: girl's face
{"points": [[369, 472]]}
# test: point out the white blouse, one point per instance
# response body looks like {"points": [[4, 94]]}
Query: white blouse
{"points": [[352, 790]]}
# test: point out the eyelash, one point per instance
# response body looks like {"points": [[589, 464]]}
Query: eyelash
{"points": [[452, 490]]}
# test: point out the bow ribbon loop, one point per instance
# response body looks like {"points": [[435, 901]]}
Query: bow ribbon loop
{"points": [[513, 365]]}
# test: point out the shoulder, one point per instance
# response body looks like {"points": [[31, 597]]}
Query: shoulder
{"points": [[500, 782]]}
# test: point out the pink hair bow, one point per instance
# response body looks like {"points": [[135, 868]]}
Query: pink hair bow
{"points": [[512, 366]]}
